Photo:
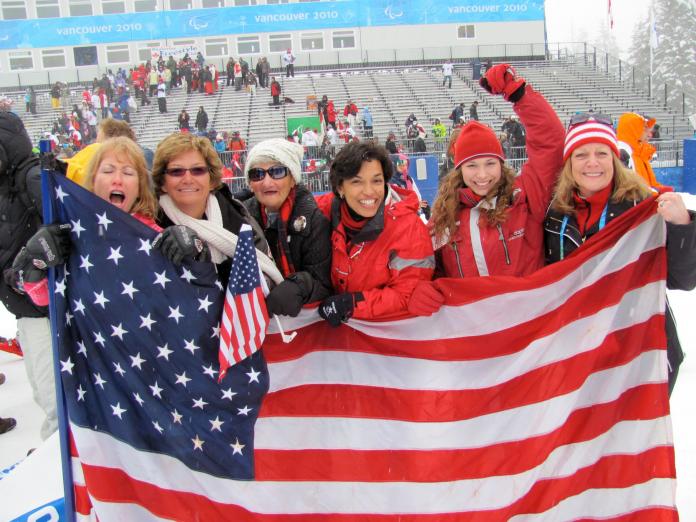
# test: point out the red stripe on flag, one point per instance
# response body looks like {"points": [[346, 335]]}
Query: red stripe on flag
{"points": [[449, 405]]}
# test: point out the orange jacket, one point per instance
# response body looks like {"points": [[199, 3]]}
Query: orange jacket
{"points": [[629, 130]]}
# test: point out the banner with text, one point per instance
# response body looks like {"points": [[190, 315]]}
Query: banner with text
{"points": [[157, 25]]}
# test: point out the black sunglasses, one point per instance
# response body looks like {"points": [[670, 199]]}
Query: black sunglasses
{"points": [[275, 172], [177, 172], [584, 117]]}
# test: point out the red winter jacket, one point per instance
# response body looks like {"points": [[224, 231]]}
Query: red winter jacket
{"points": [[392, 253], [516, 247], [351, 108]]}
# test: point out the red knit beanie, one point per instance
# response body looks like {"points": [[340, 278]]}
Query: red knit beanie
{"points": [[476, 140], [590, 131]]}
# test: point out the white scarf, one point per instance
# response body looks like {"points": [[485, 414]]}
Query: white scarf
{"points": [[221, 242]]}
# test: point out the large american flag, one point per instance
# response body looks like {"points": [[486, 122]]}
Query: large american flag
{"points": [[244, 314], [537, 398]]}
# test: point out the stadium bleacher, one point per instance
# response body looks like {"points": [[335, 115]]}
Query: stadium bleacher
{"points": [[392, 93]]}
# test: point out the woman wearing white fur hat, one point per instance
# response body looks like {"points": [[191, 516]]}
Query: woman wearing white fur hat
{"points": [[298, 234]]}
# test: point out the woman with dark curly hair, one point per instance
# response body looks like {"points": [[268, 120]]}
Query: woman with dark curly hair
{"points": [[380, 247], [485, 219]]}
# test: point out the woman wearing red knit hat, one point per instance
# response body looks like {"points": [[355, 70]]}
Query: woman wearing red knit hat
{"points": [[485, 219], [595, 187]]}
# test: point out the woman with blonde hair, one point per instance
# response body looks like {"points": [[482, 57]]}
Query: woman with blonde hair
{"points": [[594, 188]]}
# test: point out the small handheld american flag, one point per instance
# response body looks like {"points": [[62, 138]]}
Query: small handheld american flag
{"points": [[244, 316]]}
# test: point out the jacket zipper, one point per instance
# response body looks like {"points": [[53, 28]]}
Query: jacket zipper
{"points": [[456, 256], [501, 236]]}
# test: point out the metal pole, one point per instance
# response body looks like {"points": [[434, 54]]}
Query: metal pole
{"points": [[607, 67], [619, 70], [683, 103], [665, 95], [650, 86]]}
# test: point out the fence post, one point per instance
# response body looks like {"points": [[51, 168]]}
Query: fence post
{"points": [[584, 51], [649, 86], [594, 57], [665, 95], [633, 77], [607, 66], [683, 103], [619, 70]]}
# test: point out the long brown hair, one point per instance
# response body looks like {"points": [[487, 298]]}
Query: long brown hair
{"points": [[446, 206], [627, 186]]}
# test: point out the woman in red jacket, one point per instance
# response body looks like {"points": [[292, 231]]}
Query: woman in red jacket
{"points": [[486, 220], [380, 248]]}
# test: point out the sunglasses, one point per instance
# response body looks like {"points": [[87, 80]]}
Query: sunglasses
{"points": [[276, 172], [178, 172], [584, 117]]}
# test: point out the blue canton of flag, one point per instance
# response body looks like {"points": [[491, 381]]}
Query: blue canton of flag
{"points": [[138, 343], [244, 315]]}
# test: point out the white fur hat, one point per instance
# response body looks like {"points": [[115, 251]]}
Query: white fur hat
{"points": [[285, 152]]}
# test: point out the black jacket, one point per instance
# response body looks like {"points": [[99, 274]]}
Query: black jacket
{"points": [[309, 236], [681, 263], [234, 214], [20, 207], [201, 120]]}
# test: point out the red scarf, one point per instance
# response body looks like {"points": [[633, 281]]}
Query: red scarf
{"points": [[468, 197], [284, 214], [588, 210], [352, 223]]}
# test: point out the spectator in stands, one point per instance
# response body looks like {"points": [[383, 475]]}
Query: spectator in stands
{"points": [[229, 71], [381, 249], [350, 111], [591, 147], [439, 134], [633, 132], [289, 63], [219, 143], [655, 135], [108, 128], [187, 74], [237, 76], [265, 72], [30, 100], [419, 146], [457, 114], [310, 140], [201, 119], [391, 143], [448, 163], [200, 60], [55, 96], [473, 111], [298, 234], [162, 96], [409, 121], [505, 144], [367, 122], [153, 81], [275, 92], [447, 69], [251, 83], [486, 220], [237, 144], [347, 132], [184, 121], [187, 176]]}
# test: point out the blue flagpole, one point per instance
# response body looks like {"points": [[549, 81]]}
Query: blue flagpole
{"points": [[63, 425]]}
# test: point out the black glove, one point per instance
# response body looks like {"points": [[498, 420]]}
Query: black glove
{"points": [[178, 242], [285, 299], [49, 246], [339, 308]]}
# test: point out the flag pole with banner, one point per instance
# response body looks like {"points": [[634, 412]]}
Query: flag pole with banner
{"points": [[63, 424]]}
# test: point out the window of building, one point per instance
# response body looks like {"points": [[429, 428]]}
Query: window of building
{"points": [[216, 47], [117, 54], [142, 6], [80, 8], [466, 31], [14, 10], [47, 9], [212, 3], [180, 4], [312, 41], [279, 43], [244, 2], [276, 2], [343, 39], [85, 55], [21, 60], [113, 6], [145, 51], [248, 45], [177, 43], [52, 58]]}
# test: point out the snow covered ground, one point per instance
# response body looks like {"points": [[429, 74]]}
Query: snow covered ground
{"points": [[16, 401]]}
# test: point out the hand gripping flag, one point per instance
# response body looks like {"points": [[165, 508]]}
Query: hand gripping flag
{"points": [[244, 315], [536, 398]]}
